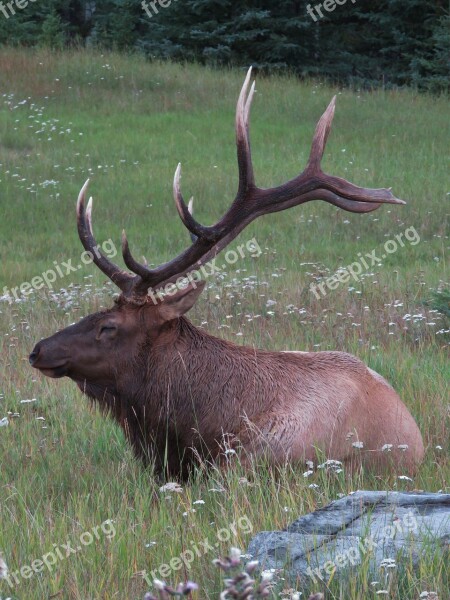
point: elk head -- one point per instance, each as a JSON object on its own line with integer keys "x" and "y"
{"x": 97, "y": 351}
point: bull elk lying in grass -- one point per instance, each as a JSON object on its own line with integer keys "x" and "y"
{"x": 176, "y": 390}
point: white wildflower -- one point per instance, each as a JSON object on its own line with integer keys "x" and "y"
{"x": 3, "y": 568}
{"x": 235, "y": 553}
{"x": 267, "y": 575}
{"x": 388, "y": 563}
{"x": 331, "y": 465}
{"x": 172, "y": 486}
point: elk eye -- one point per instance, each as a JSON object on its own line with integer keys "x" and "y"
{"x": 108, "y": 329}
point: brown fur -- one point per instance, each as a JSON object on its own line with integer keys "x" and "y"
{"x": 176, "y": 391}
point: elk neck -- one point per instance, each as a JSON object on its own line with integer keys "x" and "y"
{"x": 191, "y": 378}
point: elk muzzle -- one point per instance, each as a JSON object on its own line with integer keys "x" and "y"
{"x": 43, "y": 360}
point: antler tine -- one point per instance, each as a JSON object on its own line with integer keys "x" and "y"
{"x": 196, "y": 229}
{"x": 131, "y": 262}
{"x": 242, "y": 99}
{"x": 149, "y": 276}
{"x": 248, "y": 105}
{"x": 246, "y": 176}
{"x": 348, "y": 205}
{"x": 321, "y": 133}
{"x": 89, "y": 213}
{"x": 84, "y": 221}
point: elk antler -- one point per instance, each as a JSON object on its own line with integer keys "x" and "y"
{"x": 250, "y": 203}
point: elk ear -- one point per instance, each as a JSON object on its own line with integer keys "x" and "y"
{"x": 178, "y": 304}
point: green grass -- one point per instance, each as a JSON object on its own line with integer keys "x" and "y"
{"x": 126, "y": 123}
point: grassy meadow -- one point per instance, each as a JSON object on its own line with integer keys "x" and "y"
{"x": 126, "y": 123}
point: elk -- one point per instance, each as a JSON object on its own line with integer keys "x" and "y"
{"x": 177, "y": 391}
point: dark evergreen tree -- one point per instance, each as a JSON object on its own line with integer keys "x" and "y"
{"x": 117, "y": 24}
{"x": 53, "y": 32}
{"x": 270, "y": 35}
{"x": 54, "y": 23}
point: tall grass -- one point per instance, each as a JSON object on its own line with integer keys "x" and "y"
{"x": 126, "y": 123}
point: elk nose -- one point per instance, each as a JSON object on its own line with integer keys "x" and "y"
{"x": 34, "y": 355}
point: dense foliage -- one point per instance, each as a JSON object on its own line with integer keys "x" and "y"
{"x": 384, "y": 42}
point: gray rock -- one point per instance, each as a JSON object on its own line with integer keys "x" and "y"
{"x": 379, "y": 527}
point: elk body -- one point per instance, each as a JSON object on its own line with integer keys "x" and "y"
{"x": 178, "y": 392}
